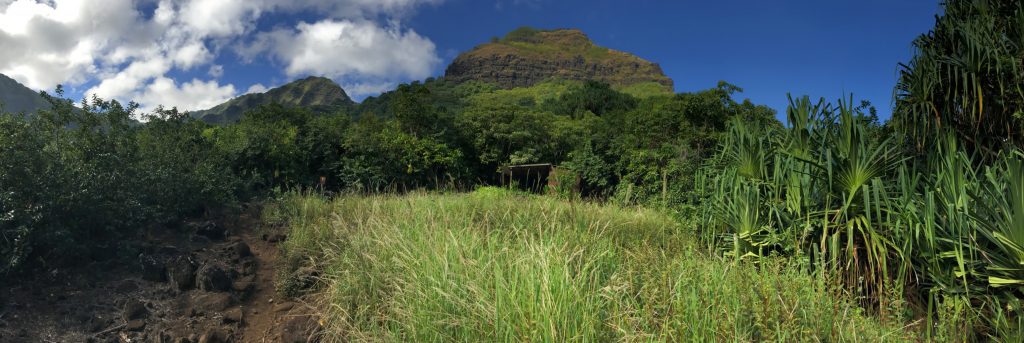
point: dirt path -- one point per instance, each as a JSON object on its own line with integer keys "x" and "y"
{"x": 272, "y": 319}
{"x": 260, "y": 307}
{"x": 204, "y": 283}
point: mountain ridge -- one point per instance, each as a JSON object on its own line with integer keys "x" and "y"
{"x": 527, "y": 56}
{"x": 319, "y": 94}
{"x": 16, "y": 98}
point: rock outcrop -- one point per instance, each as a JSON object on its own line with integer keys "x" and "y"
{"x": 526, "y": 57}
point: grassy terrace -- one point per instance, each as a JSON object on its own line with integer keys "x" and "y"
{"x": 499, "y": 266}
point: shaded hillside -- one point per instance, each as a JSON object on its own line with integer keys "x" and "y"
{"x": 527, "y": 56}
{"x": 317, "y": 94}
{"x": 16, "y": 98}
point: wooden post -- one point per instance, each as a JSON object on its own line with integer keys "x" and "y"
{"x": 664, "y": 187}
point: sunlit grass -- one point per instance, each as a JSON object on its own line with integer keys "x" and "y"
{"x": 498, "y": 266}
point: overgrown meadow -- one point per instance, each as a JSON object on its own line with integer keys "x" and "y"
{"x": 697, "y": 216}
{"x": 498, "y": 265}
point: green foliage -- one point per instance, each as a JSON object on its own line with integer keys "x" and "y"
{"x": 645, "y": 90}
{"x": 180, "y": 171}
{"x": 504, "y": 134}
{"x": 382, "y": 155}
{"x": 496, "y": 265}
{"x": 522, "y": 34}
{"x": 832, "y": 185}
{"x": 966, "y": 77}
{"x": 655, "y": 147}
{"x": 73, "y": 180}
{"x": 99, "y": 164}
{"x": 594, "y": 97}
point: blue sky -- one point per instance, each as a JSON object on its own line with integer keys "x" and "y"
{"x": 817, "y": 48}
{"x": 196, "y": 53}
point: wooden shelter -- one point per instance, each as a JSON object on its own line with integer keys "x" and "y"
{"x": 528, "y": 177}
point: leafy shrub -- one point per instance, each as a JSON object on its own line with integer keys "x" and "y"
{"x": 74, "y": 179}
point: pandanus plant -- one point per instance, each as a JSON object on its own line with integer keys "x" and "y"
{"x": 817, "y": 187}
{"x": 967, "y": 77}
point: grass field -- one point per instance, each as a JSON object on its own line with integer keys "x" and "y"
{"x": 499, "y": 266}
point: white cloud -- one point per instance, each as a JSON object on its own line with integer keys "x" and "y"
{"x": 355, "y": 8}
{"x": 129, "y": 55}
{"x": 44, "y": 45}
{"x": 361, "y": 89}
{"x": 256, "y": 88}
{"x": 350, "y": 50}
{"x": 220, "y": 18}
{"x": 131, "y": 78}
{"x": 216, "y": 71}
{"x": 193, "y": 95}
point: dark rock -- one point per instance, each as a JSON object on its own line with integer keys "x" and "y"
{"x": 165, "y": 337}
{"x": 300, "y": 329}
{"x": 182, "y": 272}
{"x": 81, "y": 317}
{"x": 214, "y": 335}
{"x": 209, "y": 230}
{"x": 213, "y": 277}
{"x": 284, "y": 307}
{"x": 134, "y": 309}
{"x": 244, "y": 284}
{"x": 153, "y": 268}
{"x": 168, "y": 250}
{"x": 126, "y": 286}
{"x": 104, "y": 253}
{"x": 135, "y": 325}
{"x": 233, "y": 316}
{"x": 208, "y": 303}
{"x": 240, "y": 250}
{"x": 274, "y": 237}
{"x": 249, "y": 267}
{"x": 97, "y": 323}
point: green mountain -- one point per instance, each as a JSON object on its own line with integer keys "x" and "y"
{"x": 16, "y": 98}
{"x": 527, "y": 56}
{"x": 317, "y": 94}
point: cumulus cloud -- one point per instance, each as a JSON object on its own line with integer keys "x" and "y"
{"x": 367, "y": 88}
{"x": 216, "y": 71}
{"x": 354, "y": 49}
{"x": 256, "y": 88}
{"x": 125, "y": 54}
{"x": 194, "y": 94}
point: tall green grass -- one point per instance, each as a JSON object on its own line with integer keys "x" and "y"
{"x": 499, "y": 266}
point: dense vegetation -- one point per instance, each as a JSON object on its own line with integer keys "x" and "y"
{"x": 497, "y": 266}
{"x": 919, "y": 221}
{"x": 75, "y": 178}
{"x": 926, "y": 213}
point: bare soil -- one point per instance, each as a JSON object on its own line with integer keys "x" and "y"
{"x": 210, "y": 282}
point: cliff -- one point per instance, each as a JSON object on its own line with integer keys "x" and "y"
{"x": 527, "y": 56}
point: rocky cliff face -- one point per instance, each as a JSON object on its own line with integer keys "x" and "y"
{"x": 526, "y": 57}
